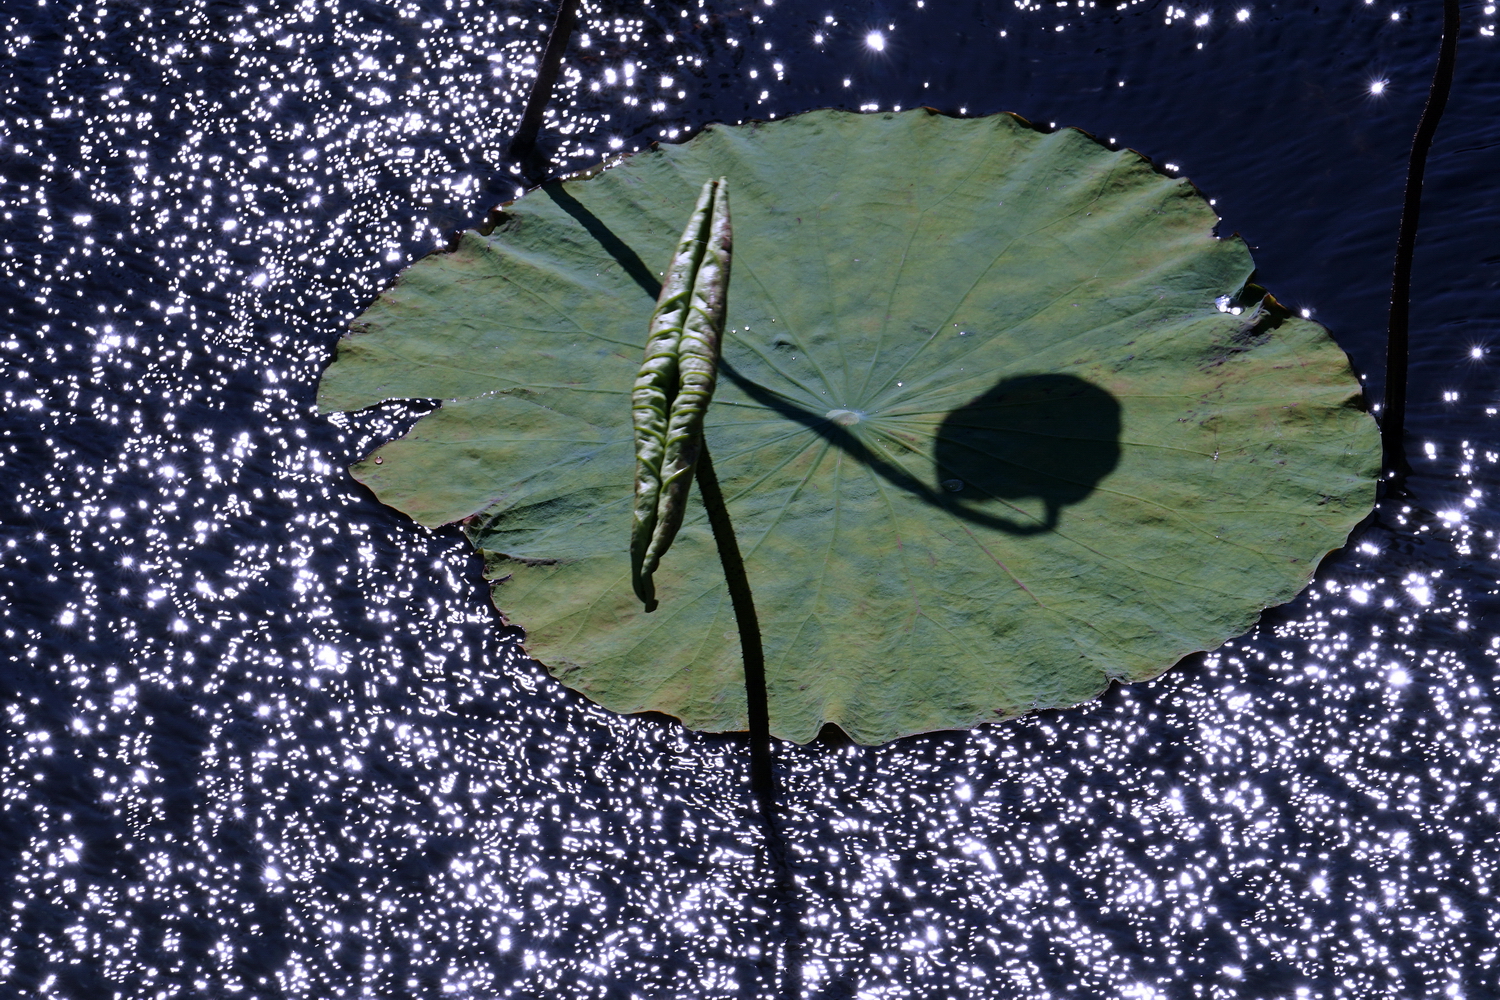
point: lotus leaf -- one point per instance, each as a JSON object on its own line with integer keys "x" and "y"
{"x": 998, "y": 421}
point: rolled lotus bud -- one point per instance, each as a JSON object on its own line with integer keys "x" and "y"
{"x": 676, "y": 382}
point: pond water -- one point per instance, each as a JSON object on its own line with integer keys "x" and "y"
{"x": 266, "y": 738}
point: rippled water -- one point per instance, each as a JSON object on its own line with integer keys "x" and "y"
{"x": 266, "y": 739}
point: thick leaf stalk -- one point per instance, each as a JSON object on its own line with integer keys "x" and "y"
{"x": 676, "y": 383}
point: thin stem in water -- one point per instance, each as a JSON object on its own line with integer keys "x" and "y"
{"x": 523, "y": 150}
{"x": 1393, "y": 410}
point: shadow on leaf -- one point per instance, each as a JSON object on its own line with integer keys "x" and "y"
{"x": 1048, "y": 437}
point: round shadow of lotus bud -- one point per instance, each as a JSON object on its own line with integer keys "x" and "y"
{"x": 1045, "y": 437}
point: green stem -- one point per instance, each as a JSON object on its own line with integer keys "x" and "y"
{"x": 762, "y": 774}
{"x": 523, "y": 150}
{"x": 762, "y": 780}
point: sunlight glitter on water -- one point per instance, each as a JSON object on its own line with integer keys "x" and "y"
{"x": 267, "y": 738}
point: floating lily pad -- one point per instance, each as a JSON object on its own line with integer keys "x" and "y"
{"x": 996, "y": 420}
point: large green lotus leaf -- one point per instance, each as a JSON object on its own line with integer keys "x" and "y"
{"x": 989, "y": 434}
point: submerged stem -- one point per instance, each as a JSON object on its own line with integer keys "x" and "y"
{"x": 1393, "y": 410}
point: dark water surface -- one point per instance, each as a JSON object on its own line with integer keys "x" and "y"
{"x": 265, "y": 737}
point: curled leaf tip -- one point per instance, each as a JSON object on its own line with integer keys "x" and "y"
{"x": 676, "y": 382}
